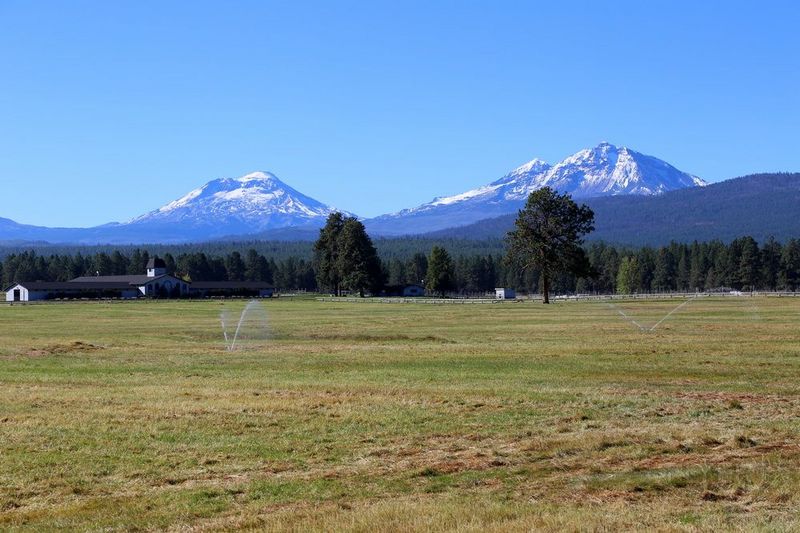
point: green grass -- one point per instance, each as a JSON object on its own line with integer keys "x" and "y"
{"x": 402, "y": 417}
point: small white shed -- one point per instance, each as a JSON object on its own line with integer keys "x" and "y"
{"x": 503, "y": 293}
{"x": 17, "y": 293}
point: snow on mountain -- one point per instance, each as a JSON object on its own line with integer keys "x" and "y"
{"x": 605, "y": 170}
{"x": 249, "y": 204}
{"x": 259, "y": 204}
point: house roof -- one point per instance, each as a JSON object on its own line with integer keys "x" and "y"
{"x": 69, "y": 285}
{"x": 252, "y": 285}
{"x": 126, "y": 282}
{"x": 135, "y": 279}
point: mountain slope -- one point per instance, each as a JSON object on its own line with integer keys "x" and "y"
{"x": 256, "y": 202}
{"x": 760, "y": 205}
{"x": 249, "y": 204}
{"x": 605, "y": 170}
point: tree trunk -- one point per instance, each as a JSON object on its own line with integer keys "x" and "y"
{"x": 545, "y": 288}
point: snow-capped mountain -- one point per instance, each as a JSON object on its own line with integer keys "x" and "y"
{"x": 605, "y": 170}
{"x": 249, "y": 204}
{"x": 255, "y": 204}
{"x": 259, "y": 205}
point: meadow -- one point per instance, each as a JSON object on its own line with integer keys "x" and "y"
{"x": 407, "y": 417}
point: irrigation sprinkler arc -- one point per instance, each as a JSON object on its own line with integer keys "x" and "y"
{"x": 230, "y": 344}
{"x": 645, "y": 329}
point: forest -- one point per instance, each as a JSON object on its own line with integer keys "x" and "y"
{"x": 475, "y": 266}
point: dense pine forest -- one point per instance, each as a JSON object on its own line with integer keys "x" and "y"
{"x": 478, "y": 266}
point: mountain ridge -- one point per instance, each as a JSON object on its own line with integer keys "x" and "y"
{"x": 605, "y": 170}
{"x": 260, "y": 205}
{"x": 724, "y": 210}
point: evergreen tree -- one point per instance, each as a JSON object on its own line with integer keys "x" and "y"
{"x": 440, "y": 277}
{"x": 664, "y": 272}
{"x": 682, "y": 274}
{"x": 234, "y": 267}
{"x": 789, "y": 276}
{"x": 749, "y": 266}
{"x": 136, "y": 264}
{"x": 169, "y": 263}
{"x": 357, "y": 260}
{"x": 417, "y": 269}
{"x": 119, "y": 264}
{"x": 698, "y": 267}
{"x": 256, "y": 267}
{"x": 395, "y": 272}
{"x": 548, "y": 235}
{"x": 326, "y": 254}
{"x": 608, "y": 263}
{"x": 770, "y": 264}
{"x": 628, "y": 277}
{"x": 102, "y": 265}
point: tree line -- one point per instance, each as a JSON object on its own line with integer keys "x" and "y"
{"x": 742, "y": 264}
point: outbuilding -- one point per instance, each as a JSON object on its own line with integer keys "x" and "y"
{"x": 504, "y": 293}
{"x": 406, "y": 291}
{"x": 31, "y": 291}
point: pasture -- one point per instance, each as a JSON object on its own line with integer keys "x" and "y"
{"x": 407, "y": 417}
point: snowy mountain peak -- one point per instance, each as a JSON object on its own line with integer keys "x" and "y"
{"x": 608, "y": 170}
{"x": 247, "y": 204}
{"x": 604, "y": 170}
{"x": 258, "y": 175}
{"x": 534, "y": 165}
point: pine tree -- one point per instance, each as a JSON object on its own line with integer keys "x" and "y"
{"x": 548, "y": 236}
{"x": 256, "y": 267}
{"x": 119, "y": 264}
{"x": 789, "y": 276}
{"x": 682, "y": 274}
{"x": 664, "y": 272}
{"x": 169, "y": 263}
{"x": 749, "y": 264}
{"x": 417, "y": 269}
{"x": 628, "y": 275}
{"x": 770, "y": 264}
{"x": 136, "y": 264}
{"x": 102, "y": 264}
{"x": 395, "y": 272}
{"x": 440, "y": 277}
{"x": 326, "y": 254}
{"x": 698, "y": 268}
{"x": 234, "y": 266}
{"x": 357, "y": 260}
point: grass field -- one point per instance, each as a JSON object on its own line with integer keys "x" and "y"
{"x": 402, "y": 417}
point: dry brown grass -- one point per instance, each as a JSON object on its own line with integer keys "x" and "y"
{"x": 401, "y": 417}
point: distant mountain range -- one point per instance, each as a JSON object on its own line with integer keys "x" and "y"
{"x": 605, "y": 170}
{"x": 760, "y": 205}
{"x": 637, "y": 198}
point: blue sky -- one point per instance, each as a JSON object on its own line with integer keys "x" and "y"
{"x": 111, "y": 109}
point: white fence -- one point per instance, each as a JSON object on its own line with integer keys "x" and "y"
{"x": 567, "y": 298}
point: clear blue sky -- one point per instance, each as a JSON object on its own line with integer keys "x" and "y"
{"x": 111, "y": 109}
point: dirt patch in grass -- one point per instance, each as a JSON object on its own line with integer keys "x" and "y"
{"x": 63, "y": 348}
{"x": 734, "y": 400}
{"x": 359, "y": 337}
